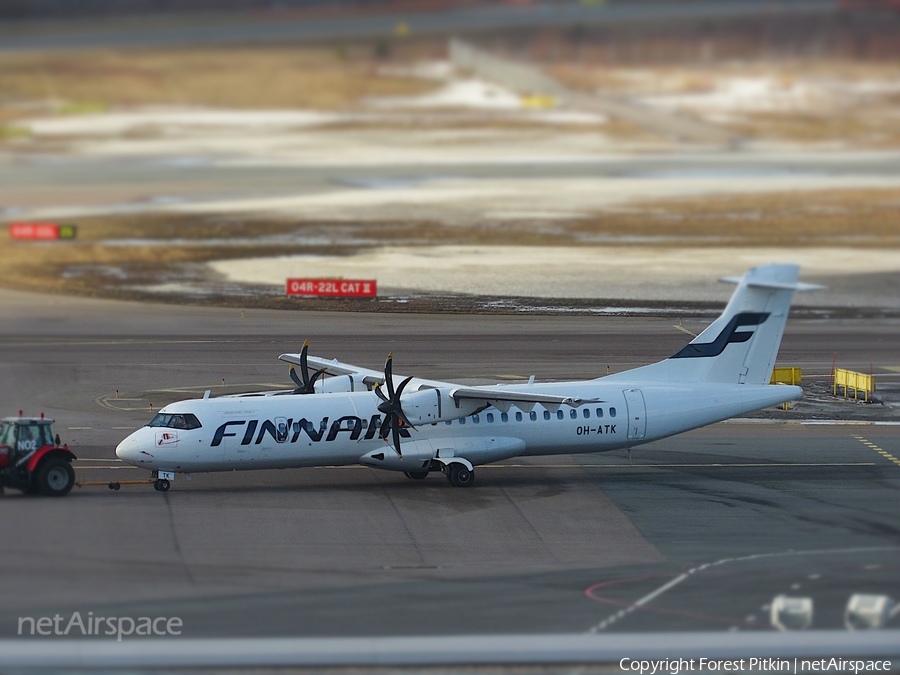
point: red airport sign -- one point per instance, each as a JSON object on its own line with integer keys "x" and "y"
{"x": 41, "y": 231}
{"x": 345, "y": 288}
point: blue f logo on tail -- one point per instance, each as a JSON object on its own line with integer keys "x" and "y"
{"x": 728, "y": 335}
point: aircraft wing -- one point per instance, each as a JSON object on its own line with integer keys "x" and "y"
{"x": 335, "y": 367}
{"x": 499, "y": 396}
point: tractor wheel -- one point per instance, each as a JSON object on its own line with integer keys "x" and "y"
{"x": 55, "y": 478}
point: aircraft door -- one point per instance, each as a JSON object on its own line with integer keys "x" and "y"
{"x": 637, "y": 414}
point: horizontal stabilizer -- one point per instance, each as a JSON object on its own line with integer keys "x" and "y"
{"x": 779, "y": 285}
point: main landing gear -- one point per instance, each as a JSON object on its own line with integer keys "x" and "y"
{"x": 458, "y": 474}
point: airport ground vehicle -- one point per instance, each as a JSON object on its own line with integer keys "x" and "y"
{"x": 31, "y": 458}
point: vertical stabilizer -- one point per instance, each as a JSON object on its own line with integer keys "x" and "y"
{"x": 740, "y": 346}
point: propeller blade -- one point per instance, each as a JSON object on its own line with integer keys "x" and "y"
{"x": 316, "y": 376}
{"x": 406, "y": 422}
{"x": 390, "y": 405}
{"x": 397, "y": 440}
{"x": 304, "y": 363}
{"x": 401, "y": 388}
{"x": 377, "y": 390}
{"x": 385, "y": 427}
{"x": 305, "y": 383}
{"x": 388, "y": 375}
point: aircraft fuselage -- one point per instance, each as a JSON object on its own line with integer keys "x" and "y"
{"x": 289, "y": 431}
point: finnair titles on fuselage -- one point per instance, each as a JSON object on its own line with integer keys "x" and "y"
{"x": 341, "y": 414}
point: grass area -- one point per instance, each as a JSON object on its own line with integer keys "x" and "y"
{"x": 92, "y": 265}
{"x": 247, "y": 77}
{"x": 819, "y": 218}
{"x": 14, "y": 132}
{"x": 873, "y": 126}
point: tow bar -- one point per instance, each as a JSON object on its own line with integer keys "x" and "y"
{"x": 114, "y": 485}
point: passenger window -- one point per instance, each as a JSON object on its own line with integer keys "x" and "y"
{"x": 518, "y": 417}
{"x": 490, "y": 418}
{"x": 546, "y": 414}
{"x": 475, "y": 419}
{"x": 533, "y": 416}
{"x": 573, "y": 414}
{"x": 504, "y": 417}
{"x": 612, "y": 412}
{"x": 599, "y": 412}
{"x": 587, "y": 413}
{"x": 559, "y": 414}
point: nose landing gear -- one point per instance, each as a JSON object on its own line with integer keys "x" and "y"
{"x": 163, "y": 480}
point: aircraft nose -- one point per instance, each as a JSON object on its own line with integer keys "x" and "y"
{"x": 127, "y": 450}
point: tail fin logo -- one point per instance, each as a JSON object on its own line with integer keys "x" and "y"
{"x": 728, "y": 335}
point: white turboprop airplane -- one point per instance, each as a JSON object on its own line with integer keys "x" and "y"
{"x": 342, "y": 414}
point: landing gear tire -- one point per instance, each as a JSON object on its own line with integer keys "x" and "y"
{"x": 460, "y": 476}
{"x": 55, "y": 478}
{"x": 156, "y": 485}
{"x": 163, "y": 484}
{"x": 416, "y": 475}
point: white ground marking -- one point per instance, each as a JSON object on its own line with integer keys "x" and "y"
{"x": 610, "y": 620}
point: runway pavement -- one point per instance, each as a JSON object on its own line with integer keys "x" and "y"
{"x": 75, "y": 185}
{"x": 700, "y": 532}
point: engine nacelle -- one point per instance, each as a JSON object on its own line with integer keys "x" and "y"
{"x": 428, "y": 406}
{"x": 340, "y": 384}
{"x": 417, "y": 456}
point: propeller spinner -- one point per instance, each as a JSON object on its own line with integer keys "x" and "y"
{"x": 390, "y": 406}
{"x": 305, "y": 383}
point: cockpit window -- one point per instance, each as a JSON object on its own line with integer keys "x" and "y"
{"x": 175, "y": 421}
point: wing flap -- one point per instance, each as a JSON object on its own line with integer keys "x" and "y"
{"x": 492, "y": 395}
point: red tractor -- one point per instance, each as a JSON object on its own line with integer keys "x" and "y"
{"x": 32, "y": 460}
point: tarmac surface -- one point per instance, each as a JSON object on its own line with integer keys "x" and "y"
{"x": 296, "y": 26}
{"x": 698, "y": 532}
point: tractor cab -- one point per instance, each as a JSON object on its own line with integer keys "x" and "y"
{"x": 31, "y": 458}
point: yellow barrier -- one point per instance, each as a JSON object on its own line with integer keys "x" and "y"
{"x": 792, "y": 376}
{"x": 858, "y": 382}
